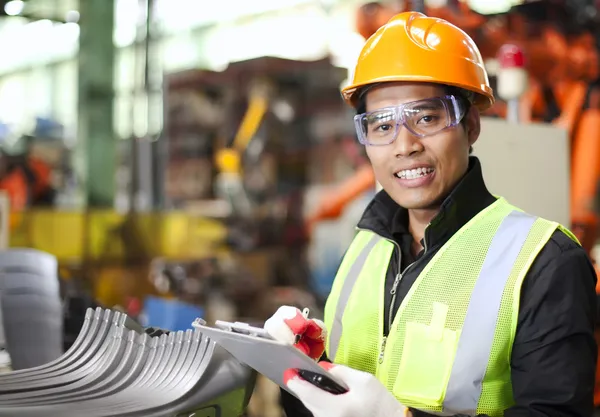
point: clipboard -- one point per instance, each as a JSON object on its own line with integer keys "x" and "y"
{"x": 254, "y": 347}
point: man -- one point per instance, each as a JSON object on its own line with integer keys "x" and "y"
{"x": 449, "y": 301}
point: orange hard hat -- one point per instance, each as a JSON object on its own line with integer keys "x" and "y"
{"x": 417, "y": 48}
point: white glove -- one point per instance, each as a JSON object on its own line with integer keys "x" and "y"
{"x": 289, "y": 325}
{"x": 366, "y": 396}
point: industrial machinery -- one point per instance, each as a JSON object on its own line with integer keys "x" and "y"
{"x": 217, "y": 124}
{"x": 206, "y": 244}
{"x": 255, "y": 126}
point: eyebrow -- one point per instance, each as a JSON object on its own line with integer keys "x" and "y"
{"x": 425, "y": 106}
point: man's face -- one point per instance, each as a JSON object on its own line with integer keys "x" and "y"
{"x": 444, "y": 156}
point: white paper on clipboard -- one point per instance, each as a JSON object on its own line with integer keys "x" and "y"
{"x": 265, "y": 355}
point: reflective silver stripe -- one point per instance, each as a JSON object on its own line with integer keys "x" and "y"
{"x": 335, "y": 333}
{"x": 477, "y": 335}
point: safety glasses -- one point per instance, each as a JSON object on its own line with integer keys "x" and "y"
{"x": 421, "y": 118}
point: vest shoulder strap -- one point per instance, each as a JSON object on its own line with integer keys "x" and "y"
{"x": 568, "y": 233}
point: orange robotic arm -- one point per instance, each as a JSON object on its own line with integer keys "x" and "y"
{"x": 585, "y": 174}
{"x": 334, "y": 203}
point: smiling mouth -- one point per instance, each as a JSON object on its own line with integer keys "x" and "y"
{"x": 409, "y": 174}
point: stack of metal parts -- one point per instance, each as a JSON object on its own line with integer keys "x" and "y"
{"x": 32, "y": 319}
{"x": 115, "y": 368}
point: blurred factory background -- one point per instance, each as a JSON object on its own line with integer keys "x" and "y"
{"x": 185, "y": 158}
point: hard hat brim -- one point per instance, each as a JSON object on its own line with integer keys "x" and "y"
{"x": 351, "y": 93}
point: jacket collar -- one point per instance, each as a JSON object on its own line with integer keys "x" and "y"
{"x": 386, "y": 218}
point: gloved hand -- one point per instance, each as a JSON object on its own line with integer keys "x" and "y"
{"x": 289, "y": 325}
{"x": 366, "y": 396}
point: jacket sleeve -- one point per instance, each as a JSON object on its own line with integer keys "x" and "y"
{"x": 554, "y": 352}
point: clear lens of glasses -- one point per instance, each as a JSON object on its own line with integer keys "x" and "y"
{"x": 422, "y": 118}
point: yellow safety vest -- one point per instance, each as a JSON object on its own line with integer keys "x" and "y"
{"x": 449, "y": 346}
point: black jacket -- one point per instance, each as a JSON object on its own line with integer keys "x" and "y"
{"x": 554, "y": 352}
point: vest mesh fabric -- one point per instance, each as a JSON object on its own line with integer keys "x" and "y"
{"x": 364, "y": 315}
{"x": 496, "y": 394}
{"x": 447, "y": 280}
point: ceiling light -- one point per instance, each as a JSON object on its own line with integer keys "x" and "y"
{"x": 14, "y": 8}
{"x": 492, "y": 6}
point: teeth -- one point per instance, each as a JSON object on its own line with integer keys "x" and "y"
{"x": 413, "y": 173}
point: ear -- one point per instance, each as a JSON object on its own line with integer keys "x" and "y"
{"x": 473, "y": 125}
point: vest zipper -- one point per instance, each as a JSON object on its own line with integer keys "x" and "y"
{"x": 397, "y": 280}
{"x": 393, "y": 291}
{"x": 382, "y": 350}
{"x": 393, "y": 301}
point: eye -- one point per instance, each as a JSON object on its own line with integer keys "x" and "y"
{"x": 381, "y": 123}
{"x": 429, "y": 118}
{"x": 384, "y": 127}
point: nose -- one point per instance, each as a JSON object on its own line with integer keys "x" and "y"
{"x": 406, "y": 143}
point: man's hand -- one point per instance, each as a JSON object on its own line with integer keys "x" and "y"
{"x": 289, "y": 325}
{"x": 366, "y": 396}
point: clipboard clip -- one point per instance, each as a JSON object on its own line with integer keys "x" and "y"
{"x": 236, "y": 327}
